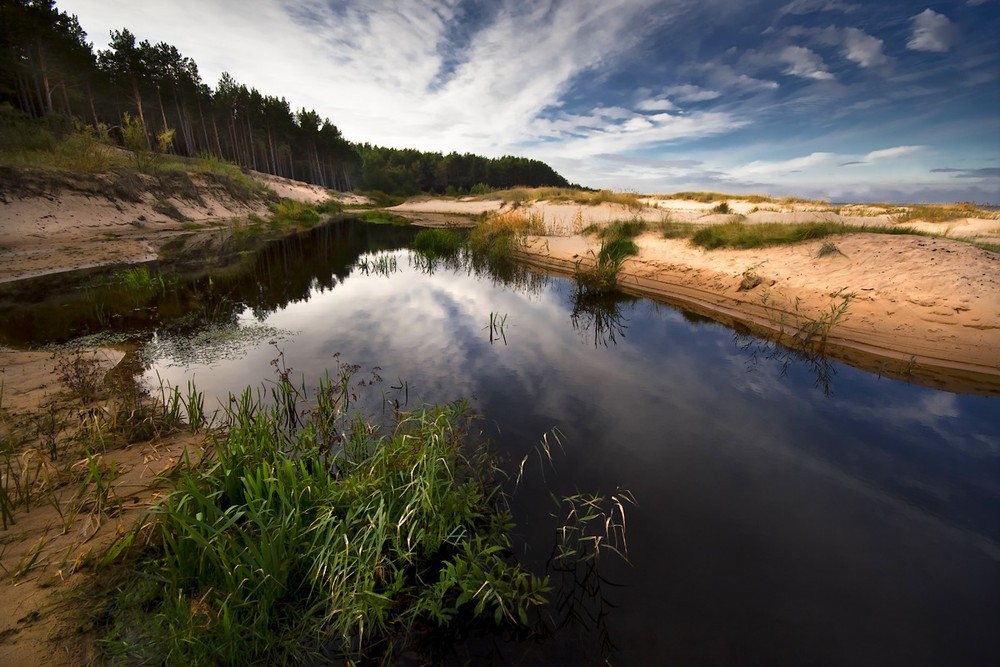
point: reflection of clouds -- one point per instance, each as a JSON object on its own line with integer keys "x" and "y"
{"x": 670, "y": 400}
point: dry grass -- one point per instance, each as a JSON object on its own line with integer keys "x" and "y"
{"x": 709, "y": 197}
{"x": 940, "y": 213}
{"x": 586, "y": 197}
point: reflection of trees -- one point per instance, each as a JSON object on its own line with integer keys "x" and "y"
{"x": 502, "y": 272}
{"x": 602, "y": 314}
{"x": 769, "y": 349}
{"x": 192, "y": 293}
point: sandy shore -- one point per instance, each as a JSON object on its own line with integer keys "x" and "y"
{"x": 920, "y": 308}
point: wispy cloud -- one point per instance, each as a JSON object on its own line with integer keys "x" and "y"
{"x": 805, "y": 63}
{"x": 661, "y": 104}
{"x": 931, "y": 32}
{"x": 759, "y": 168}
{"x": 983, "y": 172}
{"x": 862, "y": 48}
{"x": 691, "y": 93}
{"x": 891, "y": 153}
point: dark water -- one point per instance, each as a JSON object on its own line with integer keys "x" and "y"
{"x": 789, "y": 512}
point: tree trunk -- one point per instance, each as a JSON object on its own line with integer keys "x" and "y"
{"x": 138, "y": 106}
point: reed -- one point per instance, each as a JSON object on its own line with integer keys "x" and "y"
{"x": 328, "y": 533}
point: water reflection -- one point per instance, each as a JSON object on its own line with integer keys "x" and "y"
{"x": 778, "y": 522}
{"x": 601, "y": 315}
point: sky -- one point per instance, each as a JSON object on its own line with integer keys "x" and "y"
{"x": 889, "y": 100}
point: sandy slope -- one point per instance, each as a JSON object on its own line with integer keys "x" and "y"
{"x": 48, "y": 227}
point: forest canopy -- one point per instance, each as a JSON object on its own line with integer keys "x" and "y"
{"x": 50, "y": 75}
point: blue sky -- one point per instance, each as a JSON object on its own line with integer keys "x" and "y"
{"x": 869, "y": 101}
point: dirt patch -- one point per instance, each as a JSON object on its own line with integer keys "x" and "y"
{"x": 73, "y": 499}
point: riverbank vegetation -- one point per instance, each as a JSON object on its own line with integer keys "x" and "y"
{"x": 318, "y": 533}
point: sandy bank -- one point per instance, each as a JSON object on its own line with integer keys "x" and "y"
{"x": 51, "y": 222}
{"x": 923, "y": 309}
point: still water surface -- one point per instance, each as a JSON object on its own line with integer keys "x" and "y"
{"x": 789, "y": 512}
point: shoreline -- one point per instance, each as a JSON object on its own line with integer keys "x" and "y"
{"x": 907, "y": 360}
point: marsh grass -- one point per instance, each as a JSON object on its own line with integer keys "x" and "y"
{"x": 498, "y": 237}
{"x": 289, "y": 214}
{"x": 70, "y": 438}
{"x": 601, "y": 275}
{"x": 436, "y": 243}
{"x": 326, "y": 535}
{"x": 381, "y": 217}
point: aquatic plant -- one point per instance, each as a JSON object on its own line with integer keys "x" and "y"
{"x": 304, "y": 538}
{"x": 436, "y": 243}
{"x": 600, "y": 276}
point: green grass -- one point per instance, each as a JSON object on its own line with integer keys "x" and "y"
{"x": 601, "y": 276}
{"x": 618, "y": 229}
{"x": 380, "y": 217}
{"x": 290, "y": 214}
{"x": 497, "y": 237}
{"x": 438, "y": 242}
{"x": 322, "y": 532}
{"x": 742, "y": 235}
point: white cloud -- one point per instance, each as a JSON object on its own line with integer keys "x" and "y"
{"x": 862, "y": 48}
{"x": 662, "y": 104}
{"x": 581, "y": 141}
{"x": 692, "y": 93}
{"x": 759, "y": 168}
{"x": 724, "y": 76}
{"x": 799, "y": 7}
{"x": 890, "y": 153}
{"x": 931, "y": 32}
{"x": 803, "y": 62}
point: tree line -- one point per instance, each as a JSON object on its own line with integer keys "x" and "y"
{"x": 48, "y": 69}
